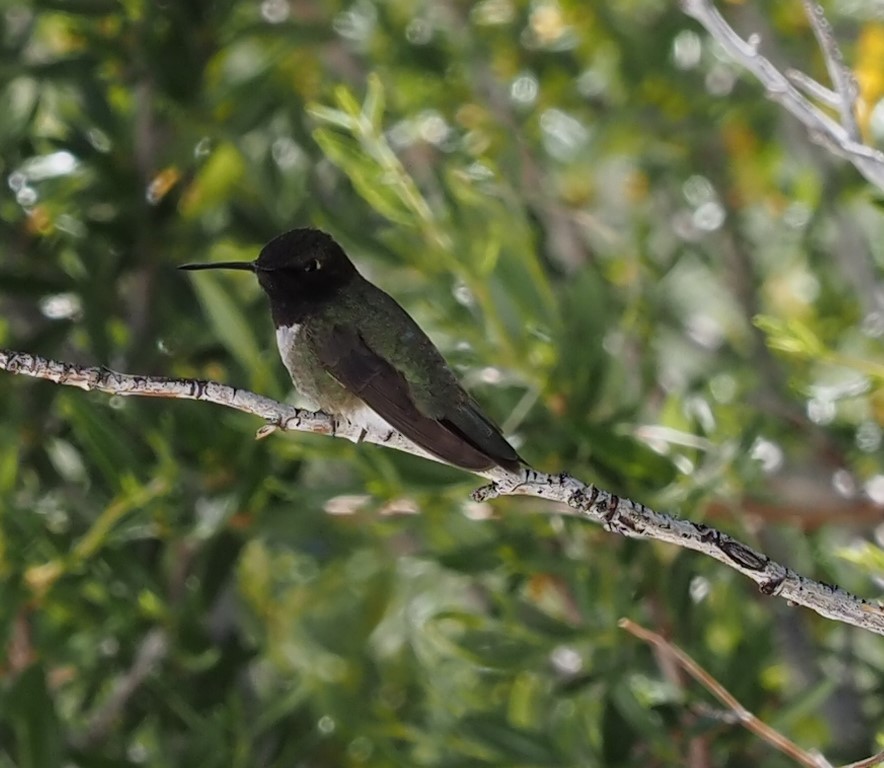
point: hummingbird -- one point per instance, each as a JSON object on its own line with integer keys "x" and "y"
{"x": 353, "y": 351}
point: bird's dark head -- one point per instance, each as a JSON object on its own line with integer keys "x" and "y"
{"x": 298, "y": 271}
{"x": 303, "y": 265}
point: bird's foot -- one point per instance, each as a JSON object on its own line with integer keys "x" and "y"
{"x": 486, "y": 492}
{"x": 505, "y": 482}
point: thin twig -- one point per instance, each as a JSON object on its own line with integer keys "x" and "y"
{"x": 840, "y": 75}
{"x": 151, "y": 652}
{"x": 869, "y": 762}
{"x": 616, "y": 514}
{"x": 814, "y": 89}
{"x": 743, "y": 715}
{"x": 821, "y": 127}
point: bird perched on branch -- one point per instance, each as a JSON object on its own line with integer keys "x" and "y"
{"x": 352, "y": 350}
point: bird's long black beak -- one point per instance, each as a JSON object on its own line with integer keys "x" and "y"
{"x": 248, "y": 266}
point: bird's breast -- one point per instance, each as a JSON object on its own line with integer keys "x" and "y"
{"x": 308, "y": 374}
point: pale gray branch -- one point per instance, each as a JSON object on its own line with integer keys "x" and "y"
{"x": 814, "y": 89}
{"x": 616, "y": 514}
{"x": 823, "y": 129}
{"x": 840, "y": 75}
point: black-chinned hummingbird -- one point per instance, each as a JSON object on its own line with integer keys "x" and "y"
{"x": 352, "y": 350}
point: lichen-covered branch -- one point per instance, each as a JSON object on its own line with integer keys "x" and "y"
{"x": 616, "y": 514}
{"x": 841, "y": 138}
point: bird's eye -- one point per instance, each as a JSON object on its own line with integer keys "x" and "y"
{"x": 314, "y": 265}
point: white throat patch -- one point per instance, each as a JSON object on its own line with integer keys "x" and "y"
{"x": 286, "y": 341}
{"x": 287, "y": 336}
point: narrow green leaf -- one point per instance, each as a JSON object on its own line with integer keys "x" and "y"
{"x": 373, "y": 108}
{"x": 108, "y": 446}
{"x": 331, "y": 116}
{"x": 34, "y": 721}
{"x": 347, "y": 101}
{"x": 229, "y": 323}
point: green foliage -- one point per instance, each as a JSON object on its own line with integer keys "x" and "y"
{"x": 626, "y": 255}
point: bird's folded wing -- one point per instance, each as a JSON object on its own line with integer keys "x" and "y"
{"x": 346, "y": 356}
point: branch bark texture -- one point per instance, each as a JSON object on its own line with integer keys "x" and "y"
{"x": 616, "y": 514}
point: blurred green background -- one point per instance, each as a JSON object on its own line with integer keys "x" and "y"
{"x": 646, "y": 272}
